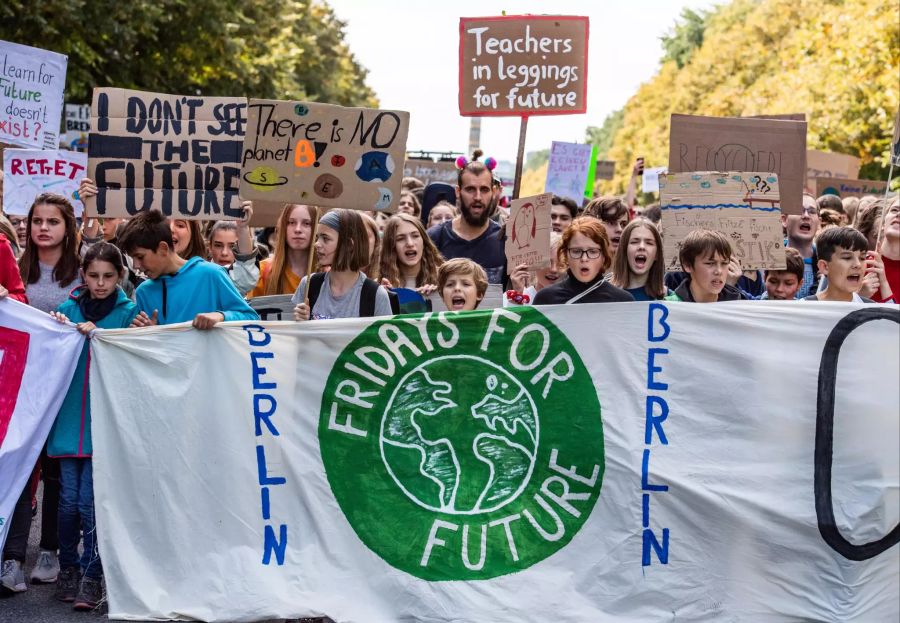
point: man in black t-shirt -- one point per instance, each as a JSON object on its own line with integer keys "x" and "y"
{"x": 473, "y": 234}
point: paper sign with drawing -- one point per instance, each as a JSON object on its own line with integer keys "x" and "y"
{"x": 528, "y": 232}
{"x": 746, "y": 207}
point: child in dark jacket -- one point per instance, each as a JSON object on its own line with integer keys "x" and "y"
{"x": 100, "y": 303}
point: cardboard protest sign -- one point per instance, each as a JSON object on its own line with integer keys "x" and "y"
{"x": 179, "y": 154}
{"x": 746, "y": 207}
{"x": 523, "y": 65}
{"x": 848, "y": 188}
{"x": 77, "y": 126}
{"x": 324, "y": 155}
{"x": 528, "y": 232}
{"x": 606, "y": 169}
{"x": 32, "y": 82}
{"x": 895, "y": 141}
{"x": 567, "y": 463}
{"x": 828, "y": 164}
{"x": 430, "y": 171}
{"x": 568, "y": 170}
{"x": 742, "y": 144}
{"x": 29, "y": 172}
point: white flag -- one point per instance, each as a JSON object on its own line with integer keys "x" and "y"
{"x": 616, "y": 462}
{"x": 37, "y": 360}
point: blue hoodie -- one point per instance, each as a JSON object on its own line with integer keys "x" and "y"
{"x": 71, "y": 432}
{"x": 198, "y": 287}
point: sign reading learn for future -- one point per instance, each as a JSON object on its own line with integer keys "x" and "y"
{"x": 523, "y": 65}
{"x": 179, "y": 154}
{"x": 325, "y": 155}
{"x": 746, "y": 207}
{"x": 505, "y": 465}
{"x": 32, "y": 82}
{"x": 30, "y": 172}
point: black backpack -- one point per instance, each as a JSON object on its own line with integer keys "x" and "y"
{"x": 366, "y": 297}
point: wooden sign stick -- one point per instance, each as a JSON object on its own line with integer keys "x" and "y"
{"x": 518, "y": 183}
{"x": 312, "y": 255}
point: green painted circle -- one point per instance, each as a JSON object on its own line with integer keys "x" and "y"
{"x": 430, "y": 441}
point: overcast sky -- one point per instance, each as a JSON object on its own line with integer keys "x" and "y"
{"x": 411, "y": 51}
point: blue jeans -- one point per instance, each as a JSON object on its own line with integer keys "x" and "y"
{"x": 76, "y": 516}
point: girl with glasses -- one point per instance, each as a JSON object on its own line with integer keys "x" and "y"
{"x": 585, "y": 251}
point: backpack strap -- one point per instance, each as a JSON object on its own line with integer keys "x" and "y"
{"x": 314, "y": 287}
{"x": 367, "y": 298}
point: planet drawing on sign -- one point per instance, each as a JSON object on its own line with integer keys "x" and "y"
{"x": 328, "y": 186}
{"x": 525, "y": 226}
{"x": 338, "y": 160}
{"x": 264, "y": 178}
{"x": 374, "y": 166}
{"x": 385, "y": 196}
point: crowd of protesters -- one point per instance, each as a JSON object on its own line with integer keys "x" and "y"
{"x": 342, "y": 263}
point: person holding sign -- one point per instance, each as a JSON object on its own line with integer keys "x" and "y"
{"x": 585, "y": 250}
{"x": 177, "y": 290}
{"x": 231, "y": 247}
{"x": 473, "y": 234}
{"x": 281, "y": 273}
{"x": 613, "y": 213}
{"x": 343, "y": 292}
{"x": 408, "y": 257}
{"x": 705, "y": 256}
{"x": 638, "y": 266}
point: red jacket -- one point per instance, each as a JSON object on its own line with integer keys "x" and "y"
{"x": 9, "y": 272}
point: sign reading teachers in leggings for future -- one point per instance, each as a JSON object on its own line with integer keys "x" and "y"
{"x": 523, "y": 65}
{"x": 180, "y": 154}
{"x": 324, "y": 155}
{"x": 31, "y": 95}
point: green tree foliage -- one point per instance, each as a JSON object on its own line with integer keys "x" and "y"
{"x": 281, "y": 49}
{"x": 837, "y": 61}
{"x": 603, "y": 136}
{"x": 686, "y": 37}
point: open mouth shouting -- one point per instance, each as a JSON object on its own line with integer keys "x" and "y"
{"x": 411, "y": 256}
{"x": 805, "y": 228}
{"x": 457, "y": 302}
{"x": 640, "y": 261}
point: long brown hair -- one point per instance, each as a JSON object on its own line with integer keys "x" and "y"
{"x": 197, "y": 246}
{"x": 390, "y": 265}
{"x": 277, "y": 281}
{"x": 655, "y": 286}
{"x": 66, "y": 269}
{"x": 371, "y": 267}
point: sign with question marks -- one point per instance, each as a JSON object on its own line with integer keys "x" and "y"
{"x": 324, "y": 155}
{"x": 746, "y": 207}
{"x": 32, "y": 82}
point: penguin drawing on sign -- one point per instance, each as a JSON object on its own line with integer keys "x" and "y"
{"x": 525, "y": 227}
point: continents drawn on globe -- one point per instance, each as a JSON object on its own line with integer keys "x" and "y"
{"x": 460, "y": 438}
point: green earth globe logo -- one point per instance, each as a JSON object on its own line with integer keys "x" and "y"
{"x": 460, "y": 435}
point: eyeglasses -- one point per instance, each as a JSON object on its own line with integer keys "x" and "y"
{"x": 15, "y": 222}
{"x": 810, "y": 211}
{"x": 577, "y": 254}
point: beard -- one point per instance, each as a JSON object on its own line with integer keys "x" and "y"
{"x": 478, "y": 221}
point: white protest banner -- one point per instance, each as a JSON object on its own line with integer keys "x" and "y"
{"x": 180, "y": 154}
{"x": 528, "y": 232}
{"x": 746, "y": 207}
{"x": 37, "y": 360}
{"x": 429, "y": 171}
{"x": 506, "y": 465}
{"x": 568, "y": 170}
{"x": 32, "y": 82}
{"x": 30, "y": 172}
{"x": 326, "y": 155}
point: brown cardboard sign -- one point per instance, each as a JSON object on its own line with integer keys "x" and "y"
{"x": 429, "y": 171}
{"x": 849, "y": 188}
{"x": 180, "y": 154}
{"x": 528, "y": 232}
{"x": 741, "y": 144}
{"x": 828, "y": 164}
{"x": 606, "y": 169}
{"x": 523, "y": 65}
{"x": 324, "y": 155}
{"x": 743, "y": 206}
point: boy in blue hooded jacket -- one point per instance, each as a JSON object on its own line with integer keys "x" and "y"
{"x": 178, "y": 290}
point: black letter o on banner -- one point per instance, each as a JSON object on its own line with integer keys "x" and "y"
{"x": 825, "y": 438}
